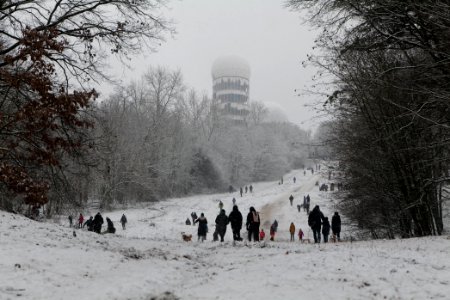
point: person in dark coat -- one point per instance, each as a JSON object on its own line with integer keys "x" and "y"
{"x": 202, "y": 227}
{"x": 111, "y": 228}
{"x": 89, "y": 223}
{"x": 70, "y": 220}
{"x": 123, "y": 221}
{"x": 251, "y": 188}
{"x": 325, "y": 229}
{"x": 235, "y": 219}
{"x": 221, "y": 224}
{"x": 336, "y": 225}
{"x": 291, "y": 199}
{"x": 97, "y": 223}
{"x": 241, "y": 191}
{"x": 194, "y": 217}
{"x": 315, "y": 222}
{"x": 252, "y": 224}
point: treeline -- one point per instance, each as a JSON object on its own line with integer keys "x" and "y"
{"x": 390, "y": 108}
{"x": 158, "y": 139}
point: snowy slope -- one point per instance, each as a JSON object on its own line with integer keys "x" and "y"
{"x": 45, "y": 260}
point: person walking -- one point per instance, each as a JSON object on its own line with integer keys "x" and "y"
{"x": 221, "y": 224}
{"x": 97, "y": 223}
{"x": 235, "y": 219}
{"x": 251, "y": 188}
{"x": 80, "y": 221}
{"x": 291, "y": 199}
{"x": 234, "y": 201}
{"x": 252, "y": 224}
{"x": 292, "y": 231}
{"x": 220, "y": 205}
{"x": 246, "y": 189}
{"x": 123, "y": 221}
{"x": 336, "y": 225}
{"x": 273, "y": 230}
{"x": 304, "y": 203}
{"x": 325, "y": 229}
{"x": 194, "y": 217}
{"x": 315, "y": 222}
{"x": 202, "y": 227}
{"x": 241, "y": 191}
{"x": 70, "y": 220}
{"x": 295, "y": 179}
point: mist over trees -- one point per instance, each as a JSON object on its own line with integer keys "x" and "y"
{"x": 391, "y": 114}
{"x": 161, "y": 139}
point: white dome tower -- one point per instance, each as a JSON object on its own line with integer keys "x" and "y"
{"x": 231, "y": 76}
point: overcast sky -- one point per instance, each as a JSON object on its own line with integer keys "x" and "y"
{"x": 271, "y": 38}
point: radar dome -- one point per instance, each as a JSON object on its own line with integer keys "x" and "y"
{"x": 230, "y": 66}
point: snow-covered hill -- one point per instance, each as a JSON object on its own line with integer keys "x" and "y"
{"x": 150, "y": 261}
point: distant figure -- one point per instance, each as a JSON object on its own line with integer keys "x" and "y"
{"x": 300, "y": 235}
{"x": 202, "y": 227}
{"x": 291, "y": 199}
{"x": 315, "y": 222}
{"x": 220, "y": 205}
{"x": 123, "y": 221}
{"x": 110, "y": 228}
{"x": 70, "y": 220}
{"x": 80, "y": 221}
{"x": 252, "y": 224}
{"x": 273, "y": 230}
{"x": 89, "y": 224}
{"x": 188, "y": 221}
{"x": 194, "y": 217}
{"x": 97, "y": 223}
{"x": 262, "y": 235}
{"x": 299, "y": 207}
{"x": 292, "y": 231}
{"x": 230, "y": 189}
{"x": 234, "y": 201}
{"x": 241, "y": 191}
{"x": 221, "y": 224}
{"x": 235, "y": 219}
{"x": 312, "y": 171}
{"x": 325, "y": 229}
{"x": 304, "y": 203}
{"x": 251, "y": 189}
{"x": 295, "y": 179}
{"x": 336, "y": 225}
{"x": 246, "y": 189}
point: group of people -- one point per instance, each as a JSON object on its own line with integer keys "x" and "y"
{"x": 241, "y": 189}
{"x": 235, "y": 219}
{"x": 95, "y": 223}
{"x": 317, "y": 221}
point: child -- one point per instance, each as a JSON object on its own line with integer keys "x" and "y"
{"x": 262, "y": 235}
{"x": 300, "y": 235}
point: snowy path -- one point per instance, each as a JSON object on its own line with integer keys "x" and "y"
{"x": 45, "y": 261}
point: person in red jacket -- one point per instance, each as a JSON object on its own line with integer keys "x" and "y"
{"x": 262, "y": 235}
{"x": 80, "y": 221}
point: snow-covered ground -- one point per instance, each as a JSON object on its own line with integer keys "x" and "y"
{"x": 150, "y": 261}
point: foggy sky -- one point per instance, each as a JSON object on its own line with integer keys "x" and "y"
{"x": 271, "y": 38}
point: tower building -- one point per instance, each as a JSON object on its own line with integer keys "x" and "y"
{"x": 231, "y": 77}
